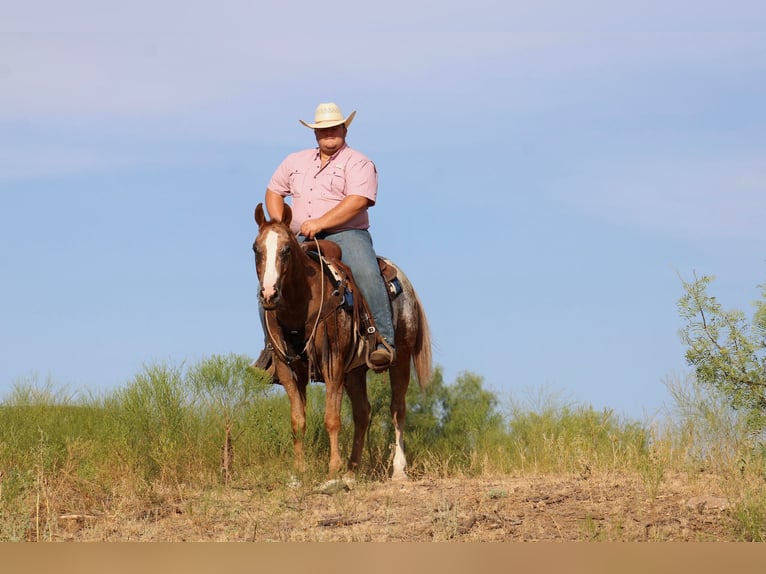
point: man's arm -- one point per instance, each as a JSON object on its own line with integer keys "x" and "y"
{"x": 337, "y": 216}
{"x": 275, "y": 205}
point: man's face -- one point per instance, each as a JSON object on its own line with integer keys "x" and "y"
{"x": 331, "y": 139}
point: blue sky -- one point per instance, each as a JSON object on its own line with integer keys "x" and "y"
{"x": 547, "y": 170}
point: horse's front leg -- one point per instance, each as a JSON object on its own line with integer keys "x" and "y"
{"x": 333, "y": 402}
{"x": 295, "y": 385}
{"x": 356, "y": 387}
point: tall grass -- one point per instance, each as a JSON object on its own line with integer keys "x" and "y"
{"x": 215, "y": 424}
{"x": 573, "y": 438}
{"x": 704, "y": 433}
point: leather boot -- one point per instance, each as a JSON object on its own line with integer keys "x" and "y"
{"x": 381, "y": 358}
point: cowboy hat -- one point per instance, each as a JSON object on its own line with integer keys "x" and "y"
{"x": 327, "y": 116}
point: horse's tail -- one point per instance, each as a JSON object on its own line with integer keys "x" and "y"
{"x": 421, "y": 354}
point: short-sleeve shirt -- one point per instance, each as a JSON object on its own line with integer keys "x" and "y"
{"x": 315, "y": 190}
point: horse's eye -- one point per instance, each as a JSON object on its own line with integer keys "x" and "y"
{"x": 285, "y": 251}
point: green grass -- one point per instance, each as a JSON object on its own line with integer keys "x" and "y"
{"x": 164, "y": 430}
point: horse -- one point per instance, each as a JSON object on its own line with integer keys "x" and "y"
{"x": 314, "y": 334}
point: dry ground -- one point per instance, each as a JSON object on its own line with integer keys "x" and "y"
{"x": 609, "y": 507}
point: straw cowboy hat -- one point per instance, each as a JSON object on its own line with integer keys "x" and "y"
{"x": 327, "y": 116}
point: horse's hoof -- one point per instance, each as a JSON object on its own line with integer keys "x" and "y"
{"x": 333, "y": 486}
{"x": 400, "y": 476}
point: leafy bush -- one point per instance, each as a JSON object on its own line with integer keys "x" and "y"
{"x": 727, "y": 352}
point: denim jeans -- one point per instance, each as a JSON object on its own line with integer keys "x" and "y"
{"x": 359, "y": 255}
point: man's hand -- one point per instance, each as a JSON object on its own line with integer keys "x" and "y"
{"x": 310, "y": 228}
{"x": 337, "y": 216}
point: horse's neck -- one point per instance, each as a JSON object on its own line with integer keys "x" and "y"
{"x": 296, "y": 290}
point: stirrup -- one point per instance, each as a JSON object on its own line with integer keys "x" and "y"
{"x": 265, "y": 362}
{"x": 265, "y": 359}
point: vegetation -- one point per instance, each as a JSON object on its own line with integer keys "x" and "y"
{"x": 727, "y": 352}
{"x": 728, "y": 399}
{"x": 174, "y": 428}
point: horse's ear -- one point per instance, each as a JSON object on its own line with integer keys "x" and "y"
{"x": 260, "y": 218}
{"x": 287, "y": 215}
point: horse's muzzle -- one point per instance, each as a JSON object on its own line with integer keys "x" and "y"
{"x": 272, "y": 301}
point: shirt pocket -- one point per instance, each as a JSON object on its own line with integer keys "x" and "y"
{"x": 335, "y": 186}
{"x": 296, "y": 182}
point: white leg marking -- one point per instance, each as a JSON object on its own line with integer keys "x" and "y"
{"x": 270, "y": 267}
{"x": 400, "y": 461}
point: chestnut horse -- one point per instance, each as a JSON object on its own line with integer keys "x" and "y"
{"x": 313, "y": 334}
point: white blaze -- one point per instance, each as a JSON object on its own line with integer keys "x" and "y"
{"x": 270, "y": 267}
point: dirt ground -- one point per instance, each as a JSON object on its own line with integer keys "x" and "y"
{"x": 598, "y": 507}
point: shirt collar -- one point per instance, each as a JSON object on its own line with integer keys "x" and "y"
{"x": 333, "y": 156}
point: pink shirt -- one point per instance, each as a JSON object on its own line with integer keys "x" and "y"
{"x": 315, "y": 189}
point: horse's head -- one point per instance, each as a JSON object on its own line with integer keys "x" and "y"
{"x": 272, "y": 249}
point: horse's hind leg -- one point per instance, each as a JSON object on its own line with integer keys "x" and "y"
{"x": 356, "y": 387}
{"x": 400, "y": 381}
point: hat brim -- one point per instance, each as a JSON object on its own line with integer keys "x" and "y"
{"x": 331, "y": 123}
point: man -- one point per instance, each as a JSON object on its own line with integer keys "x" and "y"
{"x": 332, "y": 186}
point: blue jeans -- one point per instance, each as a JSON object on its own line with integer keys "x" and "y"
{"x": 360, "y": 256}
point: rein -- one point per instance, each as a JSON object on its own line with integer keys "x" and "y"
{"x": 321, "y": 297}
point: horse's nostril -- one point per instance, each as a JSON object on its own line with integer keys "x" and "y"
{"x": 269, "y": 293}
{"x": 270, "y": 297}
